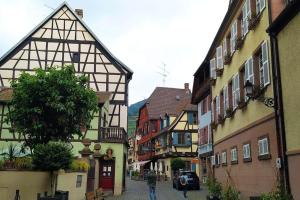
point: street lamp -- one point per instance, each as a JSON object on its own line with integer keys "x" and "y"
{"x": 250, "y": 92}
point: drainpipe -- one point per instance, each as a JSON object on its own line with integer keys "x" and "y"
{"x": 279, "y": 116}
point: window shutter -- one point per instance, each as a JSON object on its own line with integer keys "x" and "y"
{"x": 265, "y": 63}
{"x": 217, "y": 106}
{"x": 225, "y": 47}
{"x": 213, "y": 68}
{"x": 219, "y": 57}
{"x": 213, "y": 160}
{"x": 262, "y": 5}
{"x": 213, "y": 111}
{"x": 233, "y": 36}
{"x": 190, "y": 118}
{"x": 225, "y": 98}
{"x": 187, "y": 140}
{"x": 175, "y": 138}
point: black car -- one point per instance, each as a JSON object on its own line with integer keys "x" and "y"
{"x": 193, "y": 180}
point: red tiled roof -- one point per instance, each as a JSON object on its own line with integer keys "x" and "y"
{"x": 167, "y": 100}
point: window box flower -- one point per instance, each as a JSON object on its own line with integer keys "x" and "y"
{"x": 221, "y": 119}
{"x": 227, "y": 59}
{"x": 242, "y": 103}
{"x": 253, "y": 21}
{"x": 229, "y": 112}
{"x": 239, "y": 42}
{"x": 214, "y": 125}
{"x": 219, "y": 72}
{"x": 212, "y": 81}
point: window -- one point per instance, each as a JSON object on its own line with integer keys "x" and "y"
{"x": 235, "y": 91}
{"x": 260, "y": 5}
{"x": 218, "y": 106}
{"x": 234, "y": 154}
{"x": 264, "y": 65}
{"x": 213, "y": 74}
{"x": 76, "y": 57}
{"x": 217, "y": 157}
{"x": 204, "y": 106}
{"x": 224, "y": 157}
{"x": 181, "y": 138}
{"x": 263, "y": 146}
{"x": 225, "y": 99}
{"x": 246, "y": 16}
{"x": 195, "y": 118}
{"x": 219, "y": 58}
{"x": 246, "y": 151}
{"x": 249, "y": 74}
{"x": 213, "y": 160}
{"x": 78, "y": 181}
{"x": 233, "y": 36}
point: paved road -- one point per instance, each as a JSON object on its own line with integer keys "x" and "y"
{"x": 138, "y": 190}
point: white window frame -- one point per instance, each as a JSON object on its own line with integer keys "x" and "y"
{"x": 219, "y": 52}
{"x": 264, "y": 71}
{"x": 249, "y": 73}
{"x": 212, "y": 65}
{"x": 212, "y": 110}
{"x": 234, "y": 154}
{"x": 224, "y": 157}
{"x": 218, "y": 107}
{"x": 260, "y": 5}
{"x": 263, "y": 146}
{"x": 246, "y": 16}
{"x": 225, "y": 99}
{"x": 246, "y": 151}
{"x": 235, "y": 90}
{"x": 213, "y": 160}
{"x": 233, "y": 36}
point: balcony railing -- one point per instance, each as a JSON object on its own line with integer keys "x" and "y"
{"x": 113, "y": 135}
{"x": 205, "y": 148}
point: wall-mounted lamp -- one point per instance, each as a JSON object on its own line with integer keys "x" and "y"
{"x": 252, "y": 94}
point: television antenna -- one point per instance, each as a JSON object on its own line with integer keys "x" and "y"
{"x": 164, "y": 73}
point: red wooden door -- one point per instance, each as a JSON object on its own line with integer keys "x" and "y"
{"x": 107, "y": 174}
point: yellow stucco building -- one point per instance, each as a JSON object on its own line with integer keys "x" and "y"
{"x": 285, "y": 32}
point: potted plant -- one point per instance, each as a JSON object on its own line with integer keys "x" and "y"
{"x": 214, "y": 189}
{"x": 10, "y": 156}
{"x": 241, "y": 103}
{"x": 229, "y": 112}
{"x": 227, "y": 59}
{"x": 253, "y": 21}
{"x": 219, "y": 71}
{"x": 239, "y": 42}
{"x": 214, "y": 125}
{"x": 212, "y": 81}
{"x": 221, "y": 119}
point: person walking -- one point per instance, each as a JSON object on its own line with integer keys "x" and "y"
{"x": 183, "y": 182}
{"x": 151, "y": 181}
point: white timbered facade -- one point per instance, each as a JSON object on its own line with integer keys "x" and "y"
{"x": 64, "y": 39}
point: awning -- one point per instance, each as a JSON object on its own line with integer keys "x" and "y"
{"x": 141, "y": 163}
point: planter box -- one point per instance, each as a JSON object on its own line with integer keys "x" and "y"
{"x": 219, "y": 72}
{"x": 227, "y": 59}
{"x": 253, "y": 21}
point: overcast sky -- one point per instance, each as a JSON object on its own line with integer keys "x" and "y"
{"x": 143, "y": 34}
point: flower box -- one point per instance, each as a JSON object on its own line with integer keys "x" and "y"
{"x": 253, "y": 21}
{"x": 214, "y": 125}
{"x": 227, "y": 59}
{"x": 212, "y": 81}
{"x": 221, "y": 119}
{"x": 219, "y": 71}
{"x": 241, "y": 103}
{"x": 229, "y": 112}
{"x": 239, "y": 43}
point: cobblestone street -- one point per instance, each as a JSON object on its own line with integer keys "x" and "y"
{"x": 138, "y": 190}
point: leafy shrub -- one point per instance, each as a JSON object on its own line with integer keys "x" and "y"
{"x": 214, "y": 187}
{"x": 79, "y": 165}
{"x": 230, "y": 193}
{"x": 279, "y": 194}
{"x": 177, "y": 163}
{"x": 23, "y": 163}
{"x": 11, "y": 153}
{"x": 52, "y": 156}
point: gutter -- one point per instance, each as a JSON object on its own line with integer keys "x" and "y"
{"x": 279, "y": 116}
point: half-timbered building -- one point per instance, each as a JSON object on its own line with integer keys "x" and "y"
{"x": 64, "y": 39}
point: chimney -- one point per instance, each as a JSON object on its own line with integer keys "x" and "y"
{"x": 187, "y": 87}
{"x": 79, "y": 12}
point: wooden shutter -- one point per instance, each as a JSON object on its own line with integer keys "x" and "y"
{"x": 213, "y": 74}
{"x": 175, "y": 138}
{"x": 219, "y": 57}
{"x": 190, "y": 118}
{"x": 265, "y": 63}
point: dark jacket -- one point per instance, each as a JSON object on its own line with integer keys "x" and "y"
{"x": 151, "y": 179}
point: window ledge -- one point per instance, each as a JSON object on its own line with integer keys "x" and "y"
{"x": 264, "y": 157}
{"x": 247, "y": 160}
{"x": 234, "y": 162}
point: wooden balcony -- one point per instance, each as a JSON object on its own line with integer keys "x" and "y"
{"x": 113, "y": 135}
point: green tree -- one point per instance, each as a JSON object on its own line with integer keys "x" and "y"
{"x": 51, "y": 105}
{"x": 177, "y": 163}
